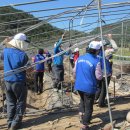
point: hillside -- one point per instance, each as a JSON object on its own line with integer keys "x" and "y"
{"x": 21, "y": 20}
{"x": 11, "y": 22}
{"x": 116, "y": 28}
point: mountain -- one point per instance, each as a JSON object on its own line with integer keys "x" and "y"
{"x": 116, "y": 29}
{"x": 13, "y": 20}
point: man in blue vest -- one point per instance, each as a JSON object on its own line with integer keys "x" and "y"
{"x": 16, "y": 90}
{"x": 58, "y": 67}
{"x": 39, "y": 71}
{"x": 87, "y": 72}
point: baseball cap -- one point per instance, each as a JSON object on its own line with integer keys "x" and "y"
{"x": 94, "y": 45}
{"x": 76, "y": 49}
{"x": 21, "y": 37}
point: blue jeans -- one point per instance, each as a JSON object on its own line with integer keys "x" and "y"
{"x": 16, "y": 94}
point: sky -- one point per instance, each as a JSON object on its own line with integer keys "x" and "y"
{"x": 65, "y": 3}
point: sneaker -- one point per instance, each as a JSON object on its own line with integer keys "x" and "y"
{"x": 85, "y": 128}
{"x": 55, "y": 90}
{"x": 60, "y": 91}
{"x": 81, "y": 116}
{"x": 14, "y": 128}
{"x": 38, "y": 93}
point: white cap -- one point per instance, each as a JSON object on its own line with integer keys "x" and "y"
{"x": 95, "y": 45}
{"x": 19, "y": 41}
{"x": 20, "y": 36}
{"x": 76, "y": 49}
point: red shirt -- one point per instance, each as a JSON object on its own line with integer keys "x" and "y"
{"x": 76, "y": 55}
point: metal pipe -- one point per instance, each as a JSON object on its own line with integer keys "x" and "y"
{"x": 106, "y": 82}
{"x": 27, "y": 3}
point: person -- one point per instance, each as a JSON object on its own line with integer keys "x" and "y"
{"x": 39, "y": 71}
{"x": 87, "y": 71}
{"x": 109, "y": 47}
{"x": 49, "y": 62}
{"x": 14, "y": 57}
{"x": 71, "y": 59}
{"x": 76, "y": 54}
{"x": 58, "y": 67}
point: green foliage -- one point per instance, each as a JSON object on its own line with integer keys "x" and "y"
{"x": 19, "y": 18}
{"x": 116, "y": 29}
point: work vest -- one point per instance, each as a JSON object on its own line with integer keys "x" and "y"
{"x": 39, "y": 67}
{"x": 85, "y": 73}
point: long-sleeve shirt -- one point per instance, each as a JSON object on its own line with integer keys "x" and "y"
{"x": 114, "y": 45}
{"x": 14, "y": 59}
{"x": 58, "y": 60}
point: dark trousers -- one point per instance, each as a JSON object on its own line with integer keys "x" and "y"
{"x": 49, "y": 67}
{"x": 39, "y": 81}
{"x": 16, "y": 94}
{"x": 58, "y": 73}
{"x": 72, "y": 63}
{"x": 101, "y": 91}
{"x": 86, "y": 106}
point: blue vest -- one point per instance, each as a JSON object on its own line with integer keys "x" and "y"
{"x": 85, "y": 73}
{"x": 39, "y": 67}
{"x": 14, "y": 59}
{"x": 108, "y": 64}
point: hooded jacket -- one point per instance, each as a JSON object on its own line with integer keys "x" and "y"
{"x": 14, "y": 59}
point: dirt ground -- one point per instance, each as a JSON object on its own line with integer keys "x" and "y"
{"x": 40, "y": 117}
{"x": 69, "y": 119}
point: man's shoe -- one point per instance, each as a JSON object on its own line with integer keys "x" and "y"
{"x": 13, "y": 128}
{"x": 85, "y": 128}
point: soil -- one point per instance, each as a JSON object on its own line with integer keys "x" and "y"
{"x": 48, "y": 111}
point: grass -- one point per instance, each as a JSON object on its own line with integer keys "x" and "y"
{"x": 125, "y": 52}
